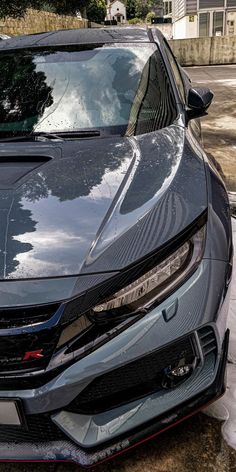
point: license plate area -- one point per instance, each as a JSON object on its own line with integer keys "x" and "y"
{"x": 11, "y": 413}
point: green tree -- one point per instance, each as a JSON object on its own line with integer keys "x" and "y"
{"x": 96, "y": 10}
{"x": 141, "y": 8}
{"x": 154, "y": 5}
{"x": 131, "y": 9}
{"x": 17, "y": 8}
{"x": 47, "y": 6}
{"x": 150, "y": 15}
{"x": 69, "y": 7}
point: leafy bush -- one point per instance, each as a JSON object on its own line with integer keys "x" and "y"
{"x": 46, "y": 6}
{"x": 149, "y": 16}
{"x": 135, "y": 21}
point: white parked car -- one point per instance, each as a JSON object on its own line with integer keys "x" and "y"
{"x": 4, "y": 36}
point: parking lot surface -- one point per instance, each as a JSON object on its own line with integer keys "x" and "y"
{"x": 219, "y": 127}
{"x": 196, "y": 445}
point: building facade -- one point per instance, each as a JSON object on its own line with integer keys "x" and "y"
{"x": 116, "y": 11}
{"x": 198, "y": 18}
{"x": 167, "y": 8}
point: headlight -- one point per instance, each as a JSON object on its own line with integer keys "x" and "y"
{"x": 158, "y": 281}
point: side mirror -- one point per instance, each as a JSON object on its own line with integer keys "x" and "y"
{"x": 199, "y": 100}
{"x": 232, "y": 202}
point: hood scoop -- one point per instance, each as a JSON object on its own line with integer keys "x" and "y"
{"x": 14, "y": 168}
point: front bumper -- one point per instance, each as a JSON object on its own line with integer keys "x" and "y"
{"x": 66, "y": 450}
{"x": 58, "y": 434}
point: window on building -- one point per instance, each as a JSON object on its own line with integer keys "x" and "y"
{"x": 204, "y": 24}
{"x": 218, "y": 23}
{"x": 167, "y": 8}
{"x": 205, "y": 4}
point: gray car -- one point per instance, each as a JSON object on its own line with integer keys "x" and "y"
{"x": 115, "y": 246}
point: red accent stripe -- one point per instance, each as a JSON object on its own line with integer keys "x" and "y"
{"x": 117, "y": 454}
{"x": 152, "y": 436}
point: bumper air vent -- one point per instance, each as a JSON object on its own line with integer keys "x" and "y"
{"x": 207, "y": 340}
{"x": 134, "y": 380}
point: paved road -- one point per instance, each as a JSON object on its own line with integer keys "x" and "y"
{"x": 195, "y": 446}
{"x": 219, "y": 127}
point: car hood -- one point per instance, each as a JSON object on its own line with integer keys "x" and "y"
{"x": 97, "y": 205}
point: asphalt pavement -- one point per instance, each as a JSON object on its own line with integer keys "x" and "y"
{"x": 196, "y": 445}
{"x": 219, "y": 127}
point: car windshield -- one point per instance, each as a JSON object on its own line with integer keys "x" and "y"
{"x": 114, "y": 89}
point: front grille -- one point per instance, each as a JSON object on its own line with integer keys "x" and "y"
{"x": 14, "y": 348}
{"x": 133, "y": 380}
{"x": 207, "y": 340}
{"x": 17, "y": 345}
{"x": 40, "y": 428}
{"x": 23, "y": 316}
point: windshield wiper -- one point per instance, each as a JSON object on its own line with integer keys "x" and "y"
{"x": 85, "y": 133}
{"x": 53, "y": 137}
{"x": 32, "y": 137}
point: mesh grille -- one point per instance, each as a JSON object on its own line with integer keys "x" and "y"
{"x": 14, "y": 348}
{"x": 23, "y": 316}
{"x": 133, "y": 380}
{"x": 40, "y": 429}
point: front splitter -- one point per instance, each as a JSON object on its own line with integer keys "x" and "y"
{"x": 67, "y": 451}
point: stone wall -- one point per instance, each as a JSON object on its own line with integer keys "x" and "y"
{"x": 166, "y": 29}
{"x": 39, "y": 21}
{"x": 205, "y": 51}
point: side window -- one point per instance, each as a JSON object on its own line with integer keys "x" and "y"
{"x": 154, "y": 105}
{"x": 176, "y": 71}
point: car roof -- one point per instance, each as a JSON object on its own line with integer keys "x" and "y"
{"x": 79, "y": 37}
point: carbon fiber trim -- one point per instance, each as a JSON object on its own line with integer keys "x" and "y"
{"x": 102, "y": 291}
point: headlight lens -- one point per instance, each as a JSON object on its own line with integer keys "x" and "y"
{"x": 156, "y": 282}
